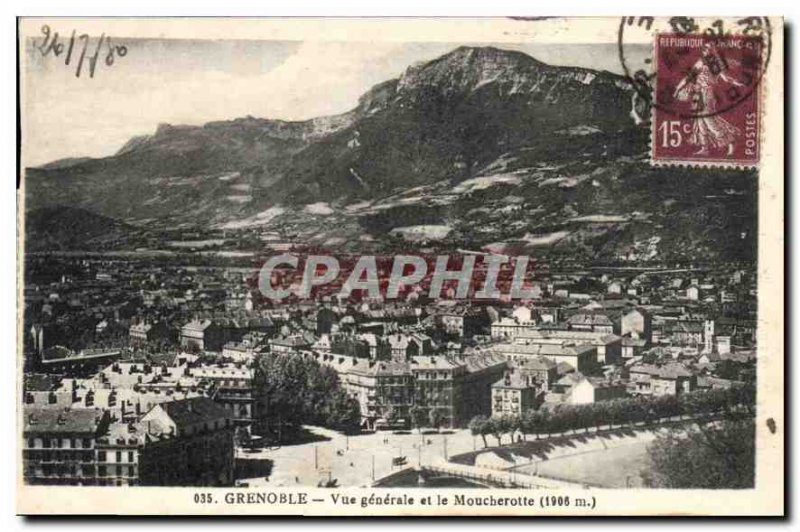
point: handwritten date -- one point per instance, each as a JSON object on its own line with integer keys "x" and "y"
{"x": 77, "y": 47}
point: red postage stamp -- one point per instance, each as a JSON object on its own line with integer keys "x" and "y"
{"x": 707, "y": 98}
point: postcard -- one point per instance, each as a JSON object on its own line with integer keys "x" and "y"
{"x": 401, "y": 266}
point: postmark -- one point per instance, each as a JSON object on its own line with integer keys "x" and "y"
{"x": 704, "y": 86}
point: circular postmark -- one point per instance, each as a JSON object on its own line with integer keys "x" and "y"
{"x": 694, "y": 67}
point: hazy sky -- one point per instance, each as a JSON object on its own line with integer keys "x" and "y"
{"x": 197, "y": 81}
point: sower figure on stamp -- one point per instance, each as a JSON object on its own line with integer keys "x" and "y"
{"x": 700, "y": 86}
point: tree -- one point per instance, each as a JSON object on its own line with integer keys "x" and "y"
{"x": 436, "y": 417}
{"x": 728, "y": 369}
{"x": 494, "y": 428}
{"x": 477, "y": 427}
{"x": 419, "y": 416}
{"x": 527, "y": 422}
{"x": 242, "y": 435}
{"x": 506, "y": 424}
{"x": 291, "y": 390}
{"x": 342, "y": 413}
{"x": 706, "y": 456}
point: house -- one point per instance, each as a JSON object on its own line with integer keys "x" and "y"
{"x": 118, "y": 454}
{"x": 402, "y": 347}
{"x": 540, "y": 372}
{"x": 59, "y": 445}
{"x": 438, "y": 384}
{"x": 670, "y": 379}
{"x": 686, "y": 332}
{"x": 513, "y": 395}
{"x": 693, "y": 292}
{"x": 384, "y": 389}
{"x": 673, "y": 379}
{"x": 615, "y": 287}
{"x": 637, "y": 322}
{"x": 640, "y": 378}
{"x": 189, "y": 442}
{"x": 463, "y": 322}
{"x": 594, "y": 389}
{"x": 578, "y": 356}
{"x": 144, "y": 332}
{"x": 244, "y": 351}
{"x": 608, "y": 346}
{"x": 292, "y": 342}
{"x": 510, "y": 327}
{"x": 233, "y": 385}
{"x": 561, "y": 388}
{"x": 482, "y": 370}
{"x": 632, "y": 347}
{"x": 594, "y": 321}
{"x": 203, "y": 335}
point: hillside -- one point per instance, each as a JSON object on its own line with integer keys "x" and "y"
{"x": 480, "y": 149}
{"x": 61, "y": 228}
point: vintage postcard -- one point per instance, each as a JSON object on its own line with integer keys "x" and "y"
{"x": 432, "y": 267}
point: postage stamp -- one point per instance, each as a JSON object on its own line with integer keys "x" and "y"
{"x": 702, "y": 85}
{"x": 706, "y": 105}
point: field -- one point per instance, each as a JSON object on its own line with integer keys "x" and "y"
{"x": 615, "y": 467}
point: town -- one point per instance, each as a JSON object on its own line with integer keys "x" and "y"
{"x": 142, "y": 371}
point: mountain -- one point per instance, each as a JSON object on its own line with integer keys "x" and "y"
{"x": 480, "y": 148}
{"x": 67, "y": 228}
{"x": 439, "y": 120}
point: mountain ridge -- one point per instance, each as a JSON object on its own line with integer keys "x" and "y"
{"x": 466, "y": 130}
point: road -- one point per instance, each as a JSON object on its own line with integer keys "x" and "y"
{"x": 356, "y": 460}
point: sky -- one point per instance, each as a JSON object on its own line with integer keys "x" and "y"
{"x": 186, "y": 81}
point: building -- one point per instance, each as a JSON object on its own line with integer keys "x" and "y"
{"x": 637, "y": 322}
{"x": 59, "y": 445}
{"x": 292, "y": 343}
{"x": 632, "y": 347}
{"x": 458, "y": 389}
{"x": 593, "y": 389}
{"x": 693, "y": 293}
{"x": 118, "y": 454}
{"x": 145, "y": 332}
{"x": 683, "y": 332}
{"x": 463, "y": 322}
{"x": 384, "y": 389}
{"x": 608, "y": 346}
{"x": 189, "y": 442}
{"x": 438, "y": 384}
{"x": 233, "y": 385}
{"x": 580, "y": 356}
{"x": 244, "y": 351}
{"x": 510, "y": 327}
{"x": 513, "y": 395}
{"x": 540, "y": 372}
{"x": 615, "y": 287}
{"x": 204, "y": 335}
{"x": 593, "y": 321}
{"x": 483, "y": 370}
{"x": 670, "y": 379}
{"x": 402, "y": 347}
{"x": 61, "y": 360}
